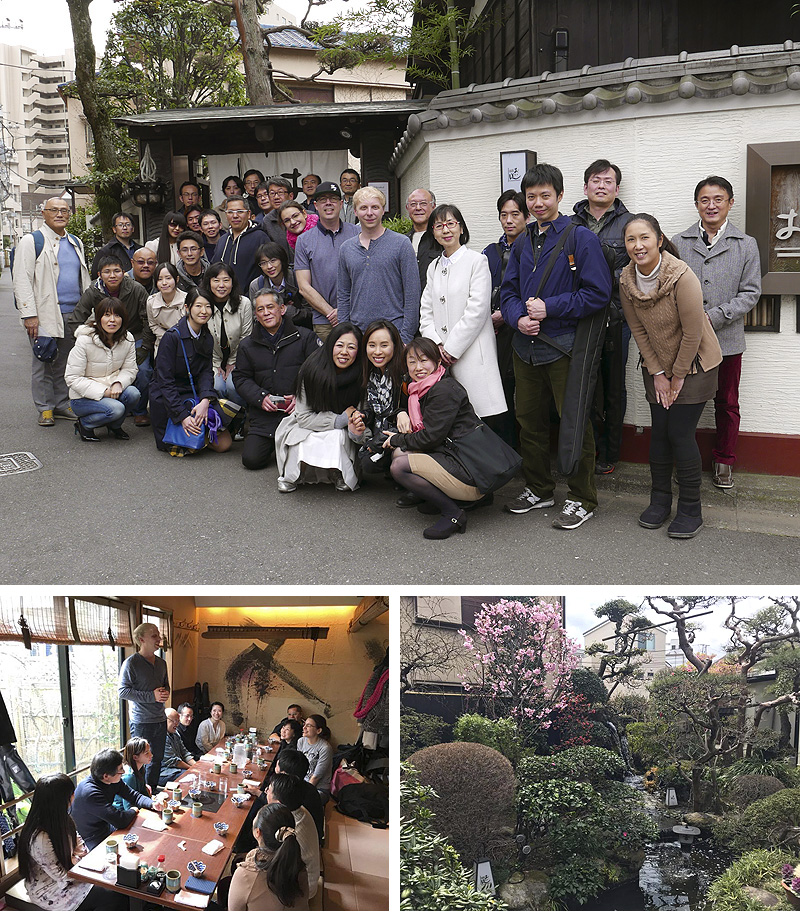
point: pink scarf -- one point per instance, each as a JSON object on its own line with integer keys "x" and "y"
{"x": 311, "y": 221}
{"x": 416, "y": 391}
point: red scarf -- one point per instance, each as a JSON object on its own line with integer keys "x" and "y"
{"x": 311, "y": 221}
{"x": 416, "y": 391}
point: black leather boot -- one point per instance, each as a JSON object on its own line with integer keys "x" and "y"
{"x": 658, "y": 511}
{"x": 687, "y": 522}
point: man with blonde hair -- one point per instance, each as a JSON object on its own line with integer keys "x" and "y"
{"x": 144, "y": 683}
{"x": 378, "y": 273}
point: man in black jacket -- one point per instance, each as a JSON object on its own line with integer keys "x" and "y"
{"x": 121, "y": 244}
{"x": 606, "y": 216}
{"x": 420, "y": 204}
{"x": 266, "y": 374}
{"x": 279, "y": 190}
{"x": 238, "y": 245}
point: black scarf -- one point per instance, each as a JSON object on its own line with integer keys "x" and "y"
{"x": 348, "y": 387}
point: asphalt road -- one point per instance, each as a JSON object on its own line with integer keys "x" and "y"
{"x": 125, "y": 514}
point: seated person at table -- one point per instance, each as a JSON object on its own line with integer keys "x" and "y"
{"x": 187, "y": 728}
{"x": 93, "y": 807}
{"x": 315, "y": 746}
{"x": 291, "y": 731}
{"x": 286, "y": 790}
{"x": 273, "y": 875}
{"x": 176, "y": 758}
{"x": 295, "y": 763}
{"x": 211, "y": 731}
{"x": 137, "y": 754}
{"x": 49, "y": 846}
{"x": 293, "y": 712}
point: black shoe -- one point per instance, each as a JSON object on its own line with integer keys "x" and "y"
{"x": 407, "y": 500}
{"x": 658, "y": 511}
{"x": 84, "y": 433}
{"x": 120, "y": 434}
{"x": 603, "y": 469}
{"x": 446, "y": 526}
{"x": 687, "y": 522}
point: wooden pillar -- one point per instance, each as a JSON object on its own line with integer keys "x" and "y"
{"x": 376, "y": 149}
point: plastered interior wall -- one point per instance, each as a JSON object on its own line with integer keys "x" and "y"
{"x": 182, "y": 658}
{"x": 663, "y": 150}
{"x": 264, "y": 677}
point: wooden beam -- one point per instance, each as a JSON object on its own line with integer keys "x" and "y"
{"x": 368, "y": 610}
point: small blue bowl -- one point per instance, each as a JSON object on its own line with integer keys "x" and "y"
{"x": 221, "y": 828}
{"x": 196, "y": 867}
{"x": 239, "y": 799}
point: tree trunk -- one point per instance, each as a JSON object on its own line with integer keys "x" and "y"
{"x": 697, "y": 789}
{"x": 108, "y": 195}
{"x": 257, "y": 66}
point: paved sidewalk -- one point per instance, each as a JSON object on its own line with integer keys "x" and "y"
{"x": 125, "y": 514}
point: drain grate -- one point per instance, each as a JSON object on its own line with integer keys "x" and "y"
{"x": 21, "y": 462}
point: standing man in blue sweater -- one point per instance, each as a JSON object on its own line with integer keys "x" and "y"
{"x": 144, "y": 683}
{"x": 534, "y": 300}
{"x": 378, "y": 272}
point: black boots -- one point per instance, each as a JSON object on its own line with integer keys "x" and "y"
{"x": 658, "y": 511}
{"x": 687, "y": 522}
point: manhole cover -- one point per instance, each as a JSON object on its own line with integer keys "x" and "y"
{"x": 21, "y": 462}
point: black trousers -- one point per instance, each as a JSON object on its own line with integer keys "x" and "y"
{"x": 258, "y": 451}
{"x": 672, "y": 441}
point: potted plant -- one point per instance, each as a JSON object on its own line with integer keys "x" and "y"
{"x": 791, "y": 884}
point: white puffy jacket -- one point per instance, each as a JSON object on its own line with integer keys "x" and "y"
{"x": 92, "y": 367}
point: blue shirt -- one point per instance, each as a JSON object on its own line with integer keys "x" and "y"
{"x": 68, "y": 286}
{"x": 317, "y": 251}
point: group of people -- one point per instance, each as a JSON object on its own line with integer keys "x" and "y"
{"x": 344, "y": 348}
{"x": 279, "y": 841}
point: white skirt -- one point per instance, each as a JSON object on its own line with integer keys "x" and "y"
{"x": 321, "y": 457}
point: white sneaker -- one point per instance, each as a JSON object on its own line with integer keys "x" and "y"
{"x": 572, "y": 516}
{"x": 285, "y": 485}
{"x": 526, "y": 501}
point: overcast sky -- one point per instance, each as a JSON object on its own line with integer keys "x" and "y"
{"x": 582, "y": 602}
{"x": 47, "y": 27}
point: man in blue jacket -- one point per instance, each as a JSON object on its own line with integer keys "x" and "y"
{"x": 93, "y": 808}
{"x": 237, "y": 246}
{"x": 547, "y": 294}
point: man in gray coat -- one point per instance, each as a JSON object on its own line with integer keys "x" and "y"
{"x": 727, "y": 263}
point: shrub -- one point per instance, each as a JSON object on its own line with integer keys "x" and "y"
{"x": 758, "y": 763}
{"x": 431, "y": 875}
{"x": 399, "y": 223}
{"x": 749, "y": 788}
{"x": 91, "y": 237}
{"x": 501, "y": 734}
{"x": 420, "y": 730}
{"x": 475, "y": 785}
{"x": 766, "y": 821}
{"x": 631, "y": 706}
{"x": 589, "y": 685}
{"x": 760, "y": 868}
{"x": 586, "y": 763}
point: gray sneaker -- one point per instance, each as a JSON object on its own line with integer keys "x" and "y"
{"x": 572, "y": 516}
{"x": 526, "y": 501}
{"x": 285, "y": 485}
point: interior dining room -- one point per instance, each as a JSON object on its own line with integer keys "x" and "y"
{"x": 244, "y": 678}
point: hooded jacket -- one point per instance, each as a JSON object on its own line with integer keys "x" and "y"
{"x": 92, "y": 366}
{"x": 240, "y": 253}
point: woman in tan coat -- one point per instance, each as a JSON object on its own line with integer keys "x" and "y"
{"x": 273, "y": 876}
{"x": 663, "y": 304}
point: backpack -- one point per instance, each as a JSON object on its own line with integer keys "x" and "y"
{"x": 367, "y": 802}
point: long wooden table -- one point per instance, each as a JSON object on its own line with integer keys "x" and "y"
{"x": 185, "y": 828}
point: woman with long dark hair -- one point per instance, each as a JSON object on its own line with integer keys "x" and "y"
{"x": 316, "y": 746}
{"x": 663, "y": 303}
{"x": 312, "y": 444}
{"x": 187, "y": 349}
{"x": 273, "y": 876}
{"x": 100, "y": 372}
{"x": 165, "y": 246}
{"x": 230, "y": 322}
{"x": 277, "y": 276}
{"x": 49, "y": 847}
{"x": 136, "y": 755}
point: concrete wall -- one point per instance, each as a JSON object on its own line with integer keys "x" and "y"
{"x": 663, "y": 150}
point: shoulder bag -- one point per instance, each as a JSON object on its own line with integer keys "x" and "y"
{"x": 488, "y": 460}
{"x": 176, "y": 434}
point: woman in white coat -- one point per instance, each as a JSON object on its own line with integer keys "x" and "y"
{"x": 455, "y": 312}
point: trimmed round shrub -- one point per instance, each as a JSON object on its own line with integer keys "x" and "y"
{"x": 749, "y": 788}
{"x": 631, "y": 707}
{"x": 590, "y": 685}
{"x": 475, "y": 787}
{"x": 420, "y": 730}
{"x": 767, "y": 821}
{"x": 586, "y": 763}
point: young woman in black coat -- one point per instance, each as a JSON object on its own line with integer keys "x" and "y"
{"x": 439, "y": 409}
{"x": 171, "y": 387}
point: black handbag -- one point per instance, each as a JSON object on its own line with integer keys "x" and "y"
{"x": 488, "y": 460}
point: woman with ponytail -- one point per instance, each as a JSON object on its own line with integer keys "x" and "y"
{"x": 273, "y": 876}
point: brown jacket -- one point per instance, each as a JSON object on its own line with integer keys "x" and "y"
{"x": 670, "y": 326}
{"x": 249, "y": 890}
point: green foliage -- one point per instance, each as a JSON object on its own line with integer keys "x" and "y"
{"x": 749, "y": 788}
{"x": 590, "y": 685}
{"x": 584, "y": 763}
{"x": 761, "y": 869}
{"x": 476, "y": 793}
{"x": 91, "y": 237}
{"x": 758, "y": 763}
{"x": 398, "y": 223}
{"x": 630, "y": 706}
{"x": 500, "y": 734}
{"x": 431, "y": 875}
{"x": 420, "y": 730}
{"x": 771, "y": 821}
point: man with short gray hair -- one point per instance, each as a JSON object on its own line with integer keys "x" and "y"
{"x": 419, "y": 205}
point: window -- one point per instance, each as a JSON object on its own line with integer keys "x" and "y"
{"x": 765, "y": 317}
{"x": 646, "y": 641}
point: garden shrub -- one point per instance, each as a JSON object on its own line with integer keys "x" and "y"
{"x": 500, "y": 734}
{"x": 766, "y": 821}
{"x": 671, "y": 775}
{"x": 631, "y": 707}
{"x": 431, "y": 875}
{"x": 601, "y": 736}
{"x": 583, "y": 763}
{"x": 590, "y": 685}
{"x": 761, "y": 869}
{"x": 749, "y": 788}
{"x": 420, "y": 730}
{"x": 475, "y": 785}
{"x": 758, "y": 763}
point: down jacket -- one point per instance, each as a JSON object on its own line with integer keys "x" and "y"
{"x": 92, "y": 367}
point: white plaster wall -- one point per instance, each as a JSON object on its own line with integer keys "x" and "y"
{"x": 662, "y": 150}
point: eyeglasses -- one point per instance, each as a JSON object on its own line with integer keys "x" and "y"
{"x": 266, "y": 263}
{"x": 416, "y": 205}
{"x": 237, "y": 211}
{"x": 188, "y": 249}
{"x": 123, "y": 225}
{"x": 446, "y": 225}
{"x": 57, "y": 210}
{"x": 150, "y": 262}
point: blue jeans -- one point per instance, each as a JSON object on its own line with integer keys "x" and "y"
{"x": 142, "y": 384}
{"x": 225, "y": 388}
{"x": 156, "y": 735}
{"x": 108, "y": 411}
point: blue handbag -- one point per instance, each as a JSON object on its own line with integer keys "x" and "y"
{"x": 175, "y": 433}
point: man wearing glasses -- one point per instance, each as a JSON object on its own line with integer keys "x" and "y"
{"x": 192, "y": 261}
{"x": 420, "y": 204}
{"x": 279, "y": 190}
{"x": 121, "y": 244}
{"x": 50, "y": 274}
{"x": 143, "y": 269}
{"x": 237, "y": 246}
